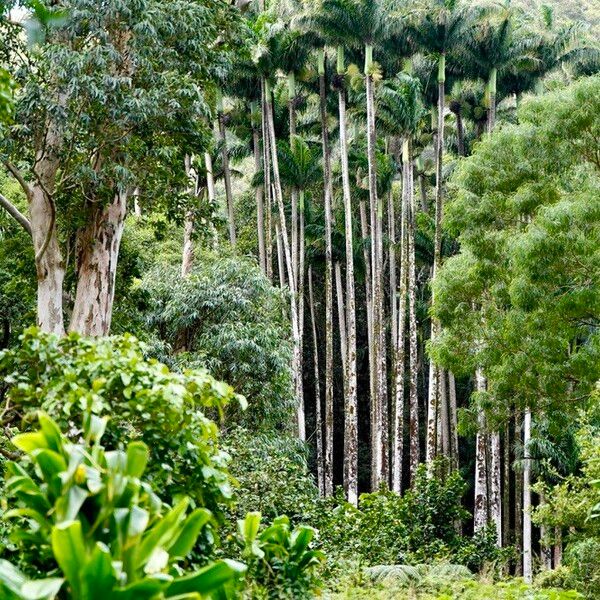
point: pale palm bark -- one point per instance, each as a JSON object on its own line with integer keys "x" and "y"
{"x": 267, "y": 187}
{"x": 259, "y": 195}
{"x": 557, "y": 551}
{"x": 187, "y": 257}
{"x": 481, "y": 502}
{"x": 98, "y": 244}
{"x": 351, "y": 402}
{"x": 444, "y": 420}
{"x": 492, "y": 84}
{"x": 399, "y": 360}
{"x": 318, "y": 415}
{"x": 296, "y": 360}
{"x": 414, "y": 442}
{"x": 433, "y": 403}
{"x": 496, "y": 486}
{"x": 452, "y": 407}
{"x": 341, "y": 310}
{"x": 378, "y": 362}
{"x": 328, "y": 190}
{"x": 527, "y": 550}
{"x": 518, "y": 500}
{"x": 211, "y": 194}
{"x": 506, "y": 487}
{"x": 227, "y": 176}
{"x": 545, "y": 549}
{"x": 280, "y": 258}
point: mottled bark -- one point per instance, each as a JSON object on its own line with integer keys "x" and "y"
{"x": 267, "y": 175}
{"x": 481, "y": 501}
{"x": 527, "y": 550}
{"x": 318, "y": 415}
{"x": 350, "y": 404}
{"x": 496, "y": 486}
{"x": 453, "y": 414}
{"x": 518, "y": 500}
{"x": 227, "y": 179}
{"x": 414, "y": 442}
{"x": 98, "y": 244}
{"x": 328, "y": 193}
{"x": 260, "y": 208}
{"x": 296, "y": 359}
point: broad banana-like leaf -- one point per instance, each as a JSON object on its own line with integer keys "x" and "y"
{"x": 15, "y": 586}
{"x": 68, "y": 547}
{"x": 52, "y": 432}
{"x": 207, "y": 580}
{"x": 248, "y": 527}
{"x": 28, "y": 442}
{"x": 162, "y": 534}
{"x": 137, "y": 458}
{"x": 68, "y": 505}
{"x": 51, "y": 463}
{"x": 190, "y": 531}
{"x": 148, "y": 588}
{"x": 98, "y": 575}
{"x": 301, "y": 538}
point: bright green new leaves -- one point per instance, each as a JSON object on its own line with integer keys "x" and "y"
{"x": 109, "y": 533}
{"x": 279, "y": 557}
{"x": 526, "y": 210}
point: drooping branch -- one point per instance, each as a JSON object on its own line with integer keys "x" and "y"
{"x": 15, "y": 213}
{"x": 19, "y": 177}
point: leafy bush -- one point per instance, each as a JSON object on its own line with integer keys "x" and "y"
{"x": 88, "y": 512}
{"x": 281, "y": 561}
{"x": 422, "y": 525}
{"x": 583, "y": 560}
{"x": 271, "y": 475}
{"x": 66, "y": 377}
{"x": 227, "y": 317}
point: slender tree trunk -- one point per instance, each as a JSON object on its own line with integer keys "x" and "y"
{"x": 460, "y": 131}
{"x": 341, "y": 309}
{"x": 454, "y": 455}
{"x": 187, "y": 258}
{"x": 318, "y": 416}
{"x": 375, "y": 209}
{"x": 98, "y": 251}
{"x": 328, "y": 278}
{"x": 267, "y": 175}
{"x": 350, "y": 405}
{"x": 518, "y": 501}
{"x": 399, "y": 362}
{"x": 137, "y": 209}
{"x": 481, "y": 503}
{"x": 506, "y": 488}
{"x": 211, "y": 194}
{"x": 557, "y": 547}
{"x": 296, "y": 363}
{"x": 496, "y": 486}
{"x": 227, "y": 176}
{"x": 280, "y": 258}
{"x": 545, "y": 549}
{"x": 434, "y": 372}
{"x": 414, "y": 443}
{"x": 444, "y": 429}
{"x": 259, "y": 195}
{"x": 527, "y": 551}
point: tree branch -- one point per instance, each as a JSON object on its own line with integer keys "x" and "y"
{"x": 14, "y": 212}
{"x": 19, "y": 177}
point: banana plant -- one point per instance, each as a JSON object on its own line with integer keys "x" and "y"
{"x": 109, "y": 533}
{"x": 279, "y": 556}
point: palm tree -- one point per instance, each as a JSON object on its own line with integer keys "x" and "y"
{"x": 438, "y": 30}
{"x": 400, "y": 113}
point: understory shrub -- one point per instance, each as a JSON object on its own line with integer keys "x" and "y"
{"x": 227, "y": 317}
{"x": 86, "y": 516}
{"x": 423, "y": 525}
{"x": 144, "y": 400}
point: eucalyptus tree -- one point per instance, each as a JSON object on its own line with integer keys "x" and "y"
{"x": 99, "y": 115}
{"x": 400, "y": 112}
{"x": 438, "y": 29}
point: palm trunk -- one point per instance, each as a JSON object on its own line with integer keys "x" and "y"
{"x": 496, "y": 486}
{"x": 98, "y": 252}
{"x": 375, "y": 210}
{"x": 506, "y": 488}
{"x": 187, "y": 258}
{"x": 267, "y": 176}
{"x": 339, "y": 290}
{"x": 227, "y": 176}
{"x": 557, "y": 553}
{"x": 328, "y": 279}
{"x": 444, "y": 420}
{"x": 318, "y": 417}
{"x": 350, "y": 405}
{"x": 414, "y": 443}
{"x": 259, "y": 195}
{"x": 460, "y": 132}
{"x": 527, "y": 551}
{"x": 399, "y": 361}
{"x": 296, "y": 362}
{"x": 211, "y": 193}
{"x": 518, "y": 501}
{"x": 454, "y": 455}
{"x": 481, "y": 503}
{"x": 280, "y": 258}
{"x": 545, "y": 549}
{"x": 433, "y": 413}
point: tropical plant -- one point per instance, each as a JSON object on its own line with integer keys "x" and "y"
{"x": 89, "y": 511}
{"x": 280, "y": 559}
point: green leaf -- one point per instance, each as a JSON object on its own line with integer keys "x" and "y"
{"x": 209, "y": 579}
{"x": 137, "y": 458}
{"x": 42, "y": 589}
{"x": 162, "y": 533}
{"x": 69, "y": 551}
{"x": 98, "y": 576}
{"x": 191, "y": 529}
{"x": 68, "y": 505}
{"x": 143, "y": 590}
{"x": 248, "y": 527}
{"x": 28, "y": 442}
{"x": 51, "y": 431}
